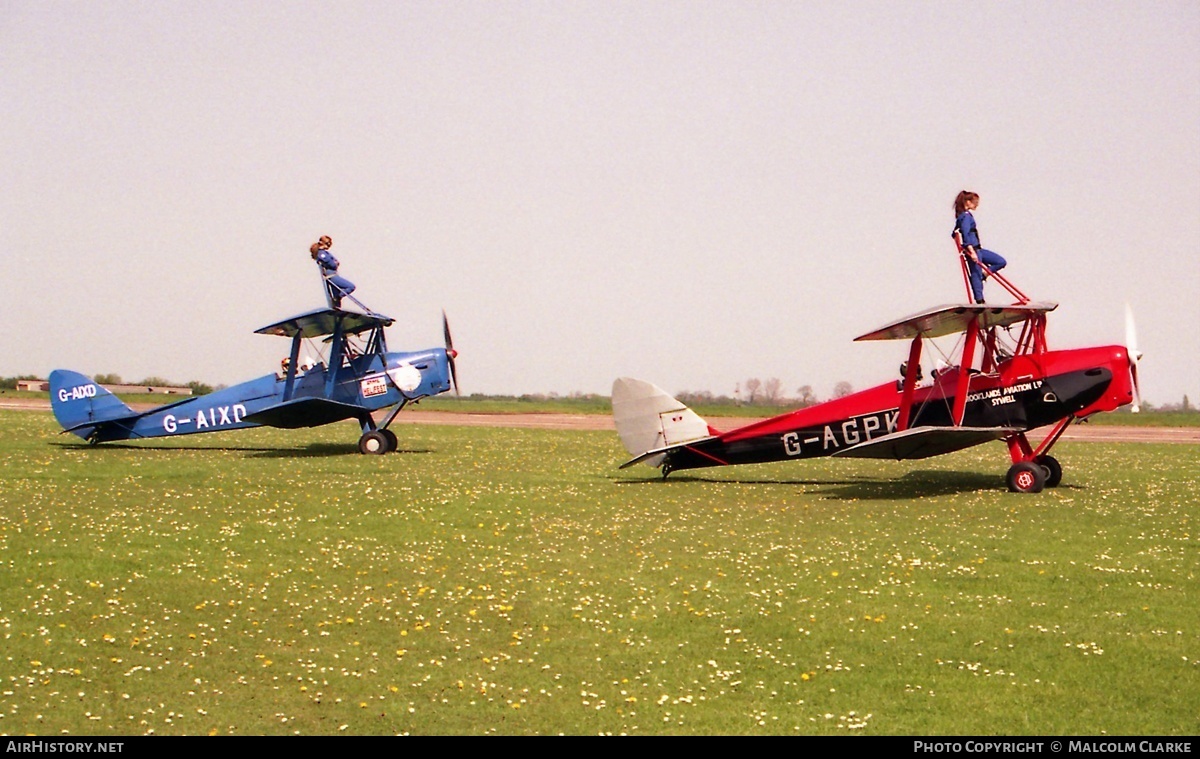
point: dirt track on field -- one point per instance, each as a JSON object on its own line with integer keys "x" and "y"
{"x": 1085, "y": 432}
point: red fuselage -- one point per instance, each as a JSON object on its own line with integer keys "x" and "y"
{"x": 1024, "y": 392}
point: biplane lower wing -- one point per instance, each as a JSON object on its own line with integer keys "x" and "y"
{"x": 305, "y": 412}
{"x": 925, "y": 442}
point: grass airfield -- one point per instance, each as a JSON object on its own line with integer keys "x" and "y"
{"x": 513, "y": 581}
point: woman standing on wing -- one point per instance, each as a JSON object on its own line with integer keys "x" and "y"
{"x": 336, "y": 287}
{"x": 967, "y": 235}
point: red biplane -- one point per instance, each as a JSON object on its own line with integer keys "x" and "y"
{"x": 1005, "y": 383}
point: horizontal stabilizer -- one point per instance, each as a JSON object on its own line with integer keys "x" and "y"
{"x": 305, "y": 412}
{"x": 924, "y": 442}
{"x": 655, "y": 457}
{"x": 650, "y": 422}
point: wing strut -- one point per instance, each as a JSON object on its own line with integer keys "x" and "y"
{"x": 335, "y": 358}
{"x": 964, "y": 374}
{"x": 910, "y": 383}
{"x": 290, "y": 385}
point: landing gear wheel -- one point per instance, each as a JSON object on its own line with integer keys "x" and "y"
{"x": 392, "y": 441}
{"x": 1026, "y": 477}
{"x": 373, "y": 442}
{"x": 1053, "y": 470}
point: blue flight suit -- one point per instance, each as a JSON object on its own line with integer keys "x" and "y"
{"x": 964, "y": 225}
{"x": 337, "y": 287}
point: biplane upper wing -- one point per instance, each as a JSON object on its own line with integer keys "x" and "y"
{"x": 323, "y": 321}
{"x": 949, "y": 319}
{"x": 924, "y": 442}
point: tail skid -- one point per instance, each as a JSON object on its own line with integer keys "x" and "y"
{"x": 82, "y": 406}
{"x": 650, "y": 422}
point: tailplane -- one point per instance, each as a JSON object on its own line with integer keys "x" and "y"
{"x": 649, "y": 420}
{"x": 81, "y": 405}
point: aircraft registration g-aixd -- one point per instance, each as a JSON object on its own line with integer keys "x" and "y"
{"x": 356, "y": 377}
{"x": 1006, "y": 382}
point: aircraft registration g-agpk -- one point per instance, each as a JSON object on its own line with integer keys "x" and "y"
{"x": 359, "y": 376}
{"x": 1005, "y": 383}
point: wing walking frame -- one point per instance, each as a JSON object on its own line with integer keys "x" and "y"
{"x": 965, "y": 254}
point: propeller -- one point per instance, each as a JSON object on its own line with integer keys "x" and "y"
{"x": 451, "y": 354}
{"x": 1134, "y": 357}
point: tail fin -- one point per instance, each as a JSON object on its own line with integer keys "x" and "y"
{"x": 80, "y": 405}
{"x": 648, "y": 419}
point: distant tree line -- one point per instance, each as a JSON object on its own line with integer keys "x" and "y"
{"x": 757, "y": 392}
{"x": 197, "y": 388}
{"x": 1184, "y": 405}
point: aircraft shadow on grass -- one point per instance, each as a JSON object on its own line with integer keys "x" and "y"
{"x": 321, "y": 450}
{"x": 315, "y": 450}
{"x": 915, "y": 484}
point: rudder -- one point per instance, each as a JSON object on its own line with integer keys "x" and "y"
{"x": 648, "y": 418}
{"x": 79, "y": 403}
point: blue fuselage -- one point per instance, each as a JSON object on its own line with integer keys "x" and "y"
{"x": 317, "y": 396}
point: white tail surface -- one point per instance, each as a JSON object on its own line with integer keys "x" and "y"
{"x": 648, "y": 418}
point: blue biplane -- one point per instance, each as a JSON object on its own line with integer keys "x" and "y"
{"x": 358, "y": 377}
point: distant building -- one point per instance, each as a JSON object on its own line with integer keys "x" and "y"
{"x": 34, "y": 385}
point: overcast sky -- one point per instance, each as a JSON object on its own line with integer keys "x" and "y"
{"x": 691, "y": 193}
